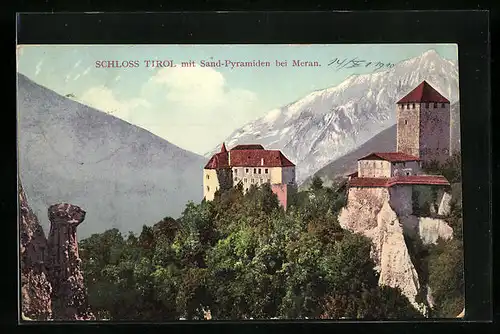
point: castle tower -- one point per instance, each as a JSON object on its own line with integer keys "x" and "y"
{"x": 423, "y": 124}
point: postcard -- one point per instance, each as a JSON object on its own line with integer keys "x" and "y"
{"x": 239, "y": 182}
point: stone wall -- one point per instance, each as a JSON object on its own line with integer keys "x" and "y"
{"x": 374, "y": 168}
{"x": 403, "y": 168}
{"x": 408, "y": 125}
{"x": 435, "y": 132}
{"x": 288, "y": 175}
{"x": 284, "y": 193}
{"x": 401, "y": 199}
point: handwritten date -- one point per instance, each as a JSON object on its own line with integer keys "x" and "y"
{"x": 340, "y": 63}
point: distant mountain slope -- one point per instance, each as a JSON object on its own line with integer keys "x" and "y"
{"x": 122, "y": 175}
{"x": 329, "y": 123}
{"x": 385, "y": 141}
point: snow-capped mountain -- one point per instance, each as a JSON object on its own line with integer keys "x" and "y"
{"x": 329, "y": 123}
{"x": 384, "y": 141}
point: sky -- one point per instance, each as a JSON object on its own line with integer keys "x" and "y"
{"x": 184, "y": 104}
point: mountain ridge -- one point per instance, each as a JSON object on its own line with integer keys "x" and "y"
{"x": 124, "y": 176}
{"x": 384, "y": 141}
{"x": 326, "y": 124}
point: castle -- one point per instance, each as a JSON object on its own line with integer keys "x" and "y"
{"x": 423, "y": 136}
{"x": 249, "y": 165}
{"x": 423, "y": 124}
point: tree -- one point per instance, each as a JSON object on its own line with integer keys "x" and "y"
{"x": 446, "y": 277}
{"x": 317, "y": 183}
{"x": 240, "y": 256}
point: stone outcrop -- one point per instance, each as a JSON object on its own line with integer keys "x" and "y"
{"x": 445, "y": 205}
{"x": 35, "y": 287}
{"x": 431, "y": 229}
{"x": 51, "y": 279}
{"x": 64, "y": 264}
{"x": 383, "y": 217}
{"x": 396, "y": 267}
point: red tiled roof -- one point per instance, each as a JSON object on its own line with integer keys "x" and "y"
{"x": 259, "y": 157}
{"x": 223, "y": 148}
{"x": 218, "y": 160}
{"x": 424, "y": 93}
{"x": 248, "y": 158}
{"x": 419, "y": 179}
{"x": 248, "y": 147}
{"x": 399, "y": 180}
{"x": 390, "y": 156}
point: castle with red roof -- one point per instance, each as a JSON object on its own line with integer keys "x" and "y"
{"x": 249, "y": 165}
{"x": 423, "y": 124}
{"x": 423, "y": 135}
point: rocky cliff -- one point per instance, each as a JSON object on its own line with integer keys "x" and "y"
{"x": 35, "y": 287}
{"x": 51, "y": 279}
{"x": 64, "y": 264}
{"x": 378, "y": 215}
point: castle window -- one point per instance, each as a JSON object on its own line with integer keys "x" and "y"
{"x": 235, "y": 179}
{"x": 413, "y": 106}
{"x": 260, "y": 171}
{"x": 406, "y": 121}
{"x": 251, "y": 180}
{"x": 208, "y": 176}
{"x": 435, "y": 105}
{"x": 246, "y": 170}
{"x": 442, "y": 105}
{"x": 235, "y": 171}
{"x": 208, "y": 188}
{"x": 245, "y": 180}
{"x": 427, "y": 104}
{"x": 404, "y": 164}
{"x": 408, "y": 106}
{"x": 266, "y": 171}
{"x": 255, "y": 170}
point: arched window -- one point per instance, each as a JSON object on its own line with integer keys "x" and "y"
{"x": 208, "y": 188}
